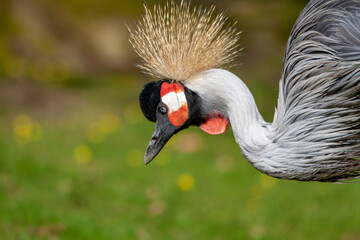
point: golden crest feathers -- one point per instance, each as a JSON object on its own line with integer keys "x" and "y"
{"x": 176, "y": 42}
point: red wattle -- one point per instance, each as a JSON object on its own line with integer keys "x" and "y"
{"x": 215, "y": 124}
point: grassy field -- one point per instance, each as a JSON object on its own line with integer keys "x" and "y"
{"x": 80, "y": 175}
{"x": 72, "y": 137}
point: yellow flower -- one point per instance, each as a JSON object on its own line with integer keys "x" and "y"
{"x": 23, "y": 127}
{"x": 186, "y": 182}
{"x": 82, "y": 153}
{"x": 26, "y": 130}
{"x": 109, "y": 123}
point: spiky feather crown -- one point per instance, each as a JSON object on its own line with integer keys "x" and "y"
{"x": 176, "y": 42}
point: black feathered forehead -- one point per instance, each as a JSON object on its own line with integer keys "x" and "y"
{"x": 149, "y": 99}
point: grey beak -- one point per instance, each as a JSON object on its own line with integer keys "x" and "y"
{"x": 162, "y": 133}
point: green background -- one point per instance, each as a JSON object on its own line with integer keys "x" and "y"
{"x": 73, "y": 137}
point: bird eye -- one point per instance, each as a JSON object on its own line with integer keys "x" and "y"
{"x": 162, "y": 110}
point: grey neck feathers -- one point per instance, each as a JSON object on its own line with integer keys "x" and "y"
{"x": 224, "y": 92}
{"x": 268, "y": 150}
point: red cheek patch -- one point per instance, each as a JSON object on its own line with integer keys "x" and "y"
{"x": 179, "y": 117}
{"x": 215, "y": 124}
{"x": 173, "y": 96}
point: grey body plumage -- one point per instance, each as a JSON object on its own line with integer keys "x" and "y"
{"x": 315, "y": 135}
{"x": 318, "y": 114}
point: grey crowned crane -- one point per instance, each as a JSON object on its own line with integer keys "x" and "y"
{"x": 315, "y": 134}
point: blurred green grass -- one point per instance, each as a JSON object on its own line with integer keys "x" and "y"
{"x": 46, "y": 192}
{"x": 73, "y": 138}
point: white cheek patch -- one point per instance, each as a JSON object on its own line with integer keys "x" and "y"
{"x": 173, "y": 96}
{"x": 174, "y": 101}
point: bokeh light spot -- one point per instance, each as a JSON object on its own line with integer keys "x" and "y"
{"x": 157, "y": 208}
{"x": 188, "y": 142}
{"x": 186, "y": 182}
{"x": 26, "y": 130}
{"x": 23, "y": 126}
{"x": 110, "y": 123}
{"x": 224, "y": 163}
{"x": 142, "y": 233}
{"x": 153, "y": 192}
{"x": 82, "y": 153}
{"x": 257, "y": 231}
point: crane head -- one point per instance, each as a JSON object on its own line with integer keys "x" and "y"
{"x": 174, "y": 107}
{"x": 179, "y": 42}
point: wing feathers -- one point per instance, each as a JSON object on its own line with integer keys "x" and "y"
{"x": 318, "y": 114}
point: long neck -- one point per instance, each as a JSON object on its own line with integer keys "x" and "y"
{"x": 230, "y": 96}
{"x": 274, "y": 151}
